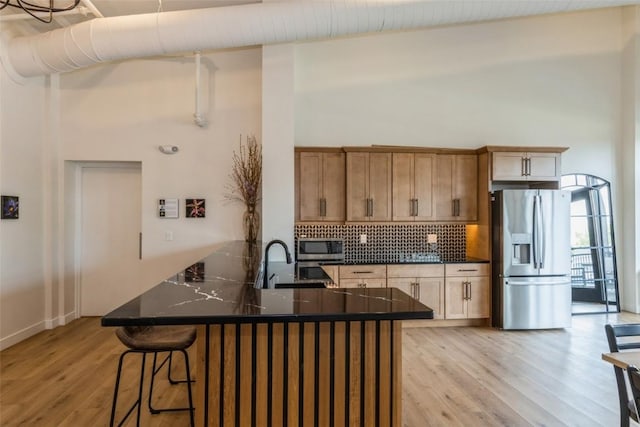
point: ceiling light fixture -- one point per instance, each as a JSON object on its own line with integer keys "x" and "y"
{"x": 41, "y": 6}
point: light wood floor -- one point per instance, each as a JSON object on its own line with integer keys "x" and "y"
{"x": 452, "y": 377}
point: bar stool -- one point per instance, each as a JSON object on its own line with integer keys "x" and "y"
{"x": 154, "y": 339}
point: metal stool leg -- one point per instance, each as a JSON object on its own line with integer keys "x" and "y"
{"x": 155, "y": 369}
{"x": 138, "y": 402}
{"x": 189, "y": 381}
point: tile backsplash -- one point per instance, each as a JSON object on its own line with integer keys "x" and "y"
{"x": 394, "y": 243}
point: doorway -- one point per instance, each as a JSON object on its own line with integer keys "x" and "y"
{"x": 108, "y": 226}
{"x": 594, "y": 284}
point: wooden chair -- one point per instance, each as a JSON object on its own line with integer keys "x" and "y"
{"x": 620, "y": 337}
{"x": 154, "y": 340}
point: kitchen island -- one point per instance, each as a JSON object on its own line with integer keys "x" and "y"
{"x": 274, "y": 357}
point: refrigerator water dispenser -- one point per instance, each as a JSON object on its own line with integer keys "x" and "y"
{"x": 521, "y": 244}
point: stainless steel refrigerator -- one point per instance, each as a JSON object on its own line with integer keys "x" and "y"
{"x": 531, "y": 259}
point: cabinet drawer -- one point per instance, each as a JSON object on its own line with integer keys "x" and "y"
{"x": 415, "y": 270}
{"x": 363, "y": 271}
{"x": 363, "y": 283}
{"x": 467, "y": 270}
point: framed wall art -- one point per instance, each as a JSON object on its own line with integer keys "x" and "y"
{"x": 195, "y": 208}
{"x": 10, "y": 207}
{"x": 194, "y": 273}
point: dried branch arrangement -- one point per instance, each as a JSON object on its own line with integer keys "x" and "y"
{"x": 246, "y": 173}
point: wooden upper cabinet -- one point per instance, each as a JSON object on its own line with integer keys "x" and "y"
{"x": 321, "y": 182}
{"x": 525, "y": 166}
{"x": 413, "y": 186}
{"x": 457, "y": 187}
{"x": 368, "y": 186}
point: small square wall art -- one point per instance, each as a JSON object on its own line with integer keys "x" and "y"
{"x": 194, "y": 273}
{"x": 195, "y": 208}
{"x": 10, "y": 207}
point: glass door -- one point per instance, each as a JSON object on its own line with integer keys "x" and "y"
{"x": 593, "y": 265}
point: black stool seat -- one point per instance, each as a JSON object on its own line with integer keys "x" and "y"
{"x": 154, "y": 339}
{"x": 157, "y": 338}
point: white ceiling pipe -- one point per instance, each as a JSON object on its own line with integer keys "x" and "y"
{"x": 153, "y": 34}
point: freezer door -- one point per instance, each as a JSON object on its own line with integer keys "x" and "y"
{"x": 537, "y": 303}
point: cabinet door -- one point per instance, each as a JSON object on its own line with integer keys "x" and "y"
{"x": 454, "y": 293}
{"x": 465, "y": 181}
{"x": 508, "y": 166}
{"x": 310, "y": 185}
{"x": 357, "y": 186}
{"x": 403, "y": 178}
{"x": 431, "y": 293}
{"x": 444, "y": 187}
{"x": 544, "y": 166}
{"x": 479, "y": 305}
{"x": 333, "y": 187}
{"x": 405, "y": 284}
{"x": 424, "y": 168}
{"x": 457, "y": 187}
{"x": 380, "y": 186}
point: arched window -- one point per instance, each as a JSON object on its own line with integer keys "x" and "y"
{"x": 594, "y": 283}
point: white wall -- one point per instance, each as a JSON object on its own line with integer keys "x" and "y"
{"x": 22, "y": 273}
{"x": 278, "y": 148}
{"x": 630, "y": 161}
{"x": 124, "y": 111}
{"x": 551, "y": 80}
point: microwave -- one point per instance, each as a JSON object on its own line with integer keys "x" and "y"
{"x": 320, "y": 249}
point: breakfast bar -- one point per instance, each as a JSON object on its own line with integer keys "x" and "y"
{"x": 296, "y": 355}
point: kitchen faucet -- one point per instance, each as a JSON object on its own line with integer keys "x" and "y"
{"x": 265, "y": 279}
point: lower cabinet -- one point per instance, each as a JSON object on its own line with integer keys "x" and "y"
{"x": 453, "y": 291}
{"x": 363, "y": 276}
{"x": 423, "y": 282}
{"x": 467, "y": 291}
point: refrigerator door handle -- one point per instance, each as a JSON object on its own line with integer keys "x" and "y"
{"x": 537, "y": 233}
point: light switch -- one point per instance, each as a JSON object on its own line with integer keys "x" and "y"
{"x": 168, "y": 236}
{"x": 363, "y": 238}
{"x": 432, "y": 238}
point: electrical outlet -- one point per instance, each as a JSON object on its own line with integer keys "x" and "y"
{"x": 363, "y": 238}
{"x": 432, "y": 238}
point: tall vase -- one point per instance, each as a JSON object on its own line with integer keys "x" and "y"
{"x": 251, "y": 224}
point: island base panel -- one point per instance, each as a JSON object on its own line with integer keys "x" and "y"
{"x": 248, "y": 374}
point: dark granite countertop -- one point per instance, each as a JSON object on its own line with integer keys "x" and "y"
{"x": 220, "y": 289}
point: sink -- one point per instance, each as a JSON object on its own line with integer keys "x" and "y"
{"x": 300, "y": 285}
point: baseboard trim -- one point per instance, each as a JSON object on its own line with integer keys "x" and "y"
{"x": 68, "y": 318}
{"x": 444, "y": 323}
{"x": 15, "y": 338}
